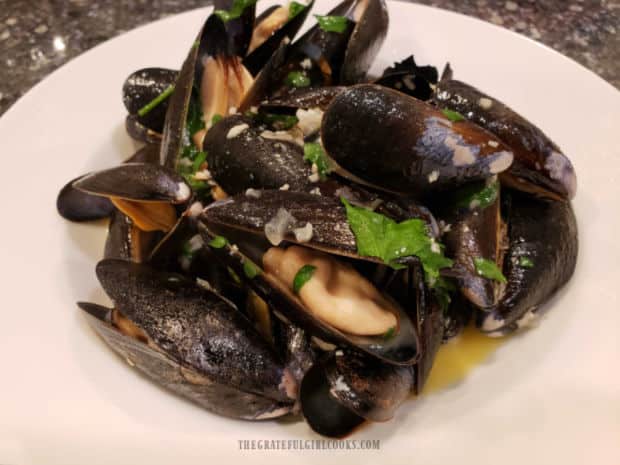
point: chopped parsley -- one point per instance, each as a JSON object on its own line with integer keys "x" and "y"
{"x": 378, "y": 236}
{"x": 526, "y": 262}
{"x": 302, "y": 277}
{"x": 250, "y": 269}
{"x": 200, "y": 158}
{"x": 235, "y": 277}
{"x": 333, "y": 23}
{"x": 475, "y": 196}
{"x": 313, "y": 152}
{"x": 389, "y": 334}
{"x": 236, "y": 10}
{"x": 443, "y": 289}
{"x": 195, "y": 119}
{"x": 217, "y": 117}
{"x": 294, "y": 9}
{"x": 218, "y": 242}
{"x": 297, "y": 79}
{"x": 278, "y": 122}
{"x": 488, "y": 269}
{"x": 156, "y": 101}
{"x": 452, "y": 115}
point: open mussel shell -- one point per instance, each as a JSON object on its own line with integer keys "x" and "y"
{"x": 400, "y": 144}
{"x": 475, "y": 231}
{"x": 371, "y": 26}
{"x": 136, "y": 181}
{"x": 173, "y": 142}
{"x": 242, "y": 154}
{"x": 191, "y": 341}
{"x": 314, "y": 97}
{"x": 407, "y": 77}
{"x": 140, "y": 132}
{"x": 539, "y": 166}
{"x": 242, "y": 220}
{"x": 238, "y": 30}
{"x": 75, "y": 205}
{"x": 145, "y": 192}
{"x": 431, "y": 326}
{"x": 142, "y": 87}
{"x": 277, "y": 31}
{"x": 541, "y": 258}
{"x": 348, "y": 387}
{"x": 125, "y": 241}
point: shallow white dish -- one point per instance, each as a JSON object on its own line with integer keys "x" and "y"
{"x": 551, "y": 396}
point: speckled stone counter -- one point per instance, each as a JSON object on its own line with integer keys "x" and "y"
{"x": 38, "y": 36}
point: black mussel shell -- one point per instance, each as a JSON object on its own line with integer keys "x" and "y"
{"x": 241, "y": 155}
{"x": 400, "y": 144}
{"x": 257, "y": 58}
{"x": 205, "y": 341}
{"x": 539, "y": 166}
{"x": 541, "y": 258}
{"x": 348, "y": 387}
{"x": 136, "y": 181}
{"x": 142, "y": 87}
{"x": 75, "y": 205}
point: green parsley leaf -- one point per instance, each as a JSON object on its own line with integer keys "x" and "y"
{"x": 453, "y": 116}
{"x": 217, "y": 117}
{"x": 475, "y": 196}
{"x": 313, "y": 152}
{"x": 378, "y": 236}
{"x": 294, "y": 9}
{"x": 302, "y": 277}
{"x": 489, "y": 270}
{"x": 186, "y": 250}
{"x": 218, "y": 242}
{"x": 195, "y": 121}
{"x": 389, "y": 334}
{"x": 297, "y": 79}
{"x": 235, "y": 277}
{"x": 333, "y": 23}
{"x": 250, "y": 269}
{"x": 526, "y": 262}
{"x": 278, "y": 122}
{"x": 200, "y": 158}
{"x": 236, "y": 10}
{"x": 156, "y": 101}
{"x": 443, "y": 290}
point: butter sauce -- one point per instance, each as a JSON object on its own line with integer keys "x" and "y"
{"x": 457, "y": 358}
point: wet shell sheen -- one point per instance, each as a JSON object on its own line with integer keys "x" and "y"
{"x": 401, "y": 144}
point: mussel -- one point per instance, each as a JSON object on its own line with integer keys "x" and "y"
{"x": 317, "y": 233}
{"x": 400, "y": 144}
{"x": 540, "y": 259}
{"x": 273, "y": 249}
{"x": 348, "y": 387}
{"x": 191, "y": 341}
{"x": 539, "y": 166}
{"x": 142, "y": 91}
{"x": 145, "y": 192}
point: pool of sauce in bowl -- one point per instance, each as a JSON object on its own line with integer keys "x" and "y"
{"x": 457, "y": 358}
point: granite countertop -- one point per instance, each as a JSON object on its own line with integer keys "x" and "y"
{"x": 38, "y": 37}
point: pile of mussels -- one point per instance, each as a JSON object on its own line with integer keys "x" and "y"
{"x": 298, "y": 236}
